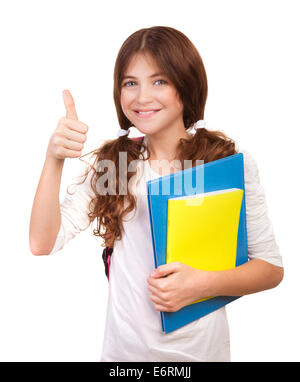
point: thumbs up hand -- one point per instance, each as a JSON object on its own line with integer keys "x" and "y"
{"x": 68, "y": 138}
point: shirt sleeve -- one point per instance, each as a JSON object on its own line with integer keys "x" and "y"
{"x": 260, "y": 235}
{"x": 74, "y": 212}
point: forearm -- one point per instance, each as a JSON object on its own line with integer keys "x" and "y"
{"x": 254, "y": 276}
{"x": 45, "y": 215}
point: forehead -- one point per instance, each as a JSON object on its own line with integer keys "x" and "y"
{"x": 141, "y": 62}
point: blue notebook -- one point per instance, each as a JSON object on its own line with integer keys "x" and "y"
{"x": 221, "y": 174}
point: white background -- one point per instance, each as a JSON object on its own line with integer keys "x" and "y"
{"x": 53, "y": 308}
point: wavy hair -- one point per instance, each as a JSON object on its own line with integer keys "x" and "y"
{"x": 178, "y": 58}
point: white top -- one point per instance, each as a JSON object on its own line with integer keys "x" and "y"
{"x": 206, "y": 339}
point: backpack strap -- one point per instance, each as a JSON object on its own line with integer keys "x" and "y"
{"x": 106, "y": 254}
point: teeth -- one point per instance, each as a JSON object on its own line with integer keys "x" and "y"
{"x": 146, "y": 112}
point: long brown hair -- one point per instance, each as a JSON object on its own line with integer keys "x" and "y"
{"x": 178, "y": 58}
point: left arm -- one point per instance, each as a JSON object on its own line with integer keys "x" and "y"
{"x": 184, "y": 284}
{"x": 254, "y": 276}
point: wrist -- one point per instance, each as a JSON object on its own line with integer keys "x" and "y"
{"x": 212, "y": 284}
{"x": 52, "y": 160}
{"x": 207, "y": 284}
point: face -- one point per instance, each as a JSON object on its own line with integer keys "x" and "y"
{"x": 143, "y": 90}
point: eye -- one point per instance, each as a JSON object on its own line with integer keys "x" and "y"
{"x": 164, "y": 82}
{"x": 129, "y": 82}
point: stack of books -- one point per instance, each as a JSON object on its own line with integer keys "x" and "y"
{"x": 203, "y": 226}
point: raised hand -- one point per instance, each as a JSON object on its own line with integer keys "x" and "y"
{"x": 68, "y": 138}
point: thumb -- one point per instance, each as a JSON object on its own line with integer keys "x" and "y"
{"x": 164, "y": 270}
{"x": 69, "y": 105}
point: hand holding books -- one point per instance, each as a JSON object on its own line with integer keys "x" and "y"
{"x": 176, "y": 285}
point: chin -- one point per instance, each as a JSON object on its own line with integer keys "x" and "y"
{"x": 149, "y": 129}
{"x": 145, "y": 130}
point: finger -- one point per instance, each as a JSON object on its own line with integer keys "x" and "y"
{"x": 71, "y": 145}
{"x": 75, "y": 125}
{"x": 158, "y": 286}
{"x": 166, "y": 269}
{"x": 160, "y": 308}
{"x": 153, "y": 290}
{"x": 156, "y": 300}
{"x": 152, "y": 281}
{"x": 69, "y": 105}
{"x": 73, "y": 135}
{"x": 71, "y": 153}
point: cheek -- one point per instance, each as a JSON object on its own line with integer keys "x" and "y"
{"x": 126, "y": 99}
{"x": 123, "y": 100}
{"x": 170, "y": 98}
{"x": 126, "y": 102}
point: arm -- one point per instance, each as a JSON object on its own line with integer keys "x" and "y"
{"x": 255, "y": 276}
{"x": 73, "y": 214}
{"x": 66, "y": 142}
{"x": 184, "y": 284}
{"x": 74, "y": 211}
{"x": 45, "y": 214}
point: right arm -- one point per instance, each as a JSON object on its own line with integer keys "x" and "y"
{"x": 45, "y": 215}
{"x": 66, "y": 142}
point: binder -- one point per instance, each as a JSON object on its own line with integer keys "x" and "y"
{"x": 218, "y": 178}
{"x": 202, "y": 230}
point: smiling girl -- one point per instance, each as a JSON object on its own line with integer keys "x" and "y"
{"x": 160, "y": 88}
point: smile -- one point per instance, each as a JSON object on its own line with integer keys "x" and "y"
{"x": 146, "y": 114}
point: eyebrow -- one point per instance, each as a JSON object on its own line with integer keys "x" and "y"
{"x": 153, "y": 75}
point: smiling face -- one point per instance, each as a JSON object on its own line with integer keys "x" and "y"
{"x": 145, "y": 88}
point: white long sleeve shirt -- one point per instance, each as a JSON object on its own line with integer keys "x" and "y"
{"x": 133, "y": 326}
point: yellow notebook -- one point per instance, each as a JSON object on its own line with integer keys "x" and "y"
{"x": 202, "y": 229}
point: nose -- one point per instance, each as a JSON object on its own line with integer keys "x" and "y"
{"x": 144, "y": 94}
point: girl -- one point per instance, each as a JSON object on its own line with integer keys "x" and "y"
{"x": 160, "y": 87}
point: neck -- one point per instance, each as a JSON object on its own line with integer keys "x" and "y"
{"x": 163, "y": 145}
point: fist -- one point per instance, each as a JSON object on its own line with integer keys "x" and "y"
{"x": 68, "y": 138}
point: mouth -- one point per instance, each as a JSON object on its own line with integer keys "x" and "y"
{"x": 146, "y": 113}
